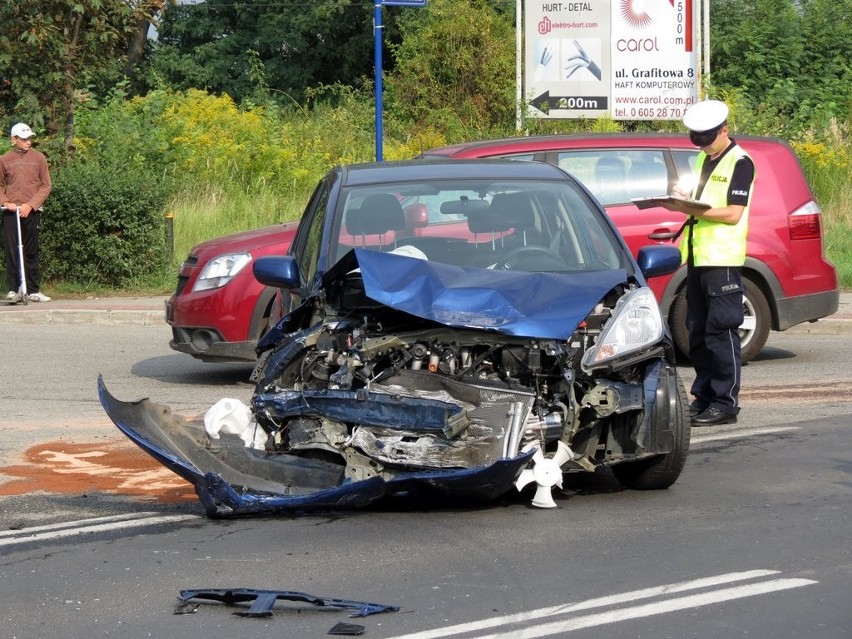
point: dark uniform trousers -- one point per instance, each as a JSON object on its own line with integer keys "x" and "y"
{"x": 714, "y": 298}
{"x": 29, "y": 229}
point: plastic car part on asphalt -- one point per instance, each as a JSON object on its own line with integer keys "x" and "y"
{"x": 263, "y": 601}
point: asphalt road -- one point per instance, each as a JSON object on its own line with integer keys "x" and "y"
{"x": 753, "y": 540}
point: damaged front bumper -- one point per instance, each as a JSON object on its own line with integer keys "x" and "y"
{"x": 238, "y": 480}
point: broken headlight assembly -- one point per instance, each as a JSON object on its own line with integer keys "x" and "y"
{"x": 635, "y": 326}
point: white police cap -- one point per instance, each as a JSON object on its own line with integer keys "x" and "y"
{"x": 705, "y": 115}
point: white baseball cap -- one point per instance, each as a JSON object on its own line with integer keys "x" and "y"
{"x": 21, "y": 130}
{"x": 705, "y": 115}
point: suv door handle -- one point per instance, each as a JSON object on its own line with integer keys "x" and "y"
{"x": 662, "y": 235}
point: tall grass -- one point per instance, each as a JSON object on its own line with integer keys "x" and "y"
{"x": 826, "y": 157}
{"x": 247, "y": 169}
{"x": 210, "y": 211}
{"x": 837, "y": 223}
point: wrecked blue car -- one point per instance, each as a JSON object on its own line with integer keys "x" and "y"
{"x": 461, "y": 328}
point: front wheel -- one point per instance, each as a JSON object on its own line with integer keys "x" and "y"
{"x": 671, "y": 411}
{"x": 753, "y": 332}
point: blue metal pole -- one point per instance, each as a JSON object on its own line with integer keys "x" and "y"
{"x": 377, "y": 40}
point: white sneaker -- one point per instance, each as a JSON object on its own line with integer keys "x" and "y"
{"x": 12, "y": 296}
{"x": 38, "y": 297}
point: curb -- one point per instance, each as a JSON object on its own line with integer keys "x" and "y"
{"x": 832, "y": 325}
{"x": 104, "y": 317}
{"x": 117, "y": 311}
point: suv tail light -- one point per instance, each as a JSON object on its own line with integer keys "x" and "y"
{"x": 804, "y": 222}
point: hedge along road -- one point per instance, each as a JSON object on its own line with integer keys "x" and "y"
{"x": 58, "y": 440}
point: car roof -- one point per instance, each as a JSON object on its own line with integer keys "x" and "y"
{"x": 442, "y": 168}
{"x": 539, "y": 143}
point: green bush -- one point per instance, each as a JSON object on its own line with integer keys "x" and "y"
{"x": 104, "y": 225}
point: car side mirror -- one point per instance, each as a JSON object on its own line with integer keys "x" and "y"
{"x": 280, "y": 271}
{"x": 658, "y": 259}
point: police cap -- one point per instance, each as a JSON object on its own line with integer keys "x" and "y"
{"x": 705, "y": 115}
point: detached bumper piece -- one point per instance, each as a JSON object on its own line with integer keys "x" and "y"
{"x": 264, "y": 600}
{"x": 232, "y": 480}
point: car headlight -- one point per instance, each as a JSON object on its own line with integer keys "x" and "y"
{"x": 636, "y": 323}
{"x": 221, "y": 270}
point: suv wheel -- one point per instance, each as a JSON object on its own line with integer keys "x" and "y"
{"x": 754, "y": 330}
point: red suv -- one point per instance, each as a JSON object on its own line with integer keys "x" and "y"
{"x": 219, "y": 310}
{"x": 787, "y": 278}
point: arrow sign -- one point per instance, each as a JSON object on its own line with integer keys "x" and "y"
{"x": 546, "y": 102}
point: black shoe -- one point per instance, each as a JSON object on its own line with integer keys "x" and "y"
{"x": 696, "y": 407}
{"x": 713, "y": 417}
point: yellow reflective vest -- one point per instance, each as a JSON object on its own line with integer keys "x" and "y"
{"x": 717, "y": 243}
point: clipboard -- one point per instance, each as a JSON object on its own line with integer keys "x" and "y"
{"x": 671, "y": 203}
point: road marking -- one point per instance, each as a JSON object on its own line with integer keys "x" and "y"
{"x": 88, "y": 526}
{"x": 735, "y": 434}
{"x": 622, "y": 614}
{"x": 647, "y": 610}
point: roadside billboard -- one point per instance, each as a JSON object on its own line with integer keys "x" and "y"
{"x": 626, "y": 59}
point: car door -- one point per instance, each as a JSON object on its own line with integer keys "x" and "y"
{"x": 618, "y": 175}
{"x": 307, "y": 245}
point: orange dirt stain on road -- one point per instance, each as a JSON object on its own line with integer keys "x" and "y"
{"x": 73, "y": 468}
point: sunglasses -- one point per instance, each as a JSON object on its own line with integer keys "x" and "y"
{"x": 704, "y": 138}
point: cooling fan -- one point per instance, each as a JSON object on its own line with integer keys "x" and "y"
{"x": 545, "y": 471}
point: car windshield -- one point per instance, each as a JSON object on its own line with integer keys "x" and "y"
{"x": 534, "y": 226}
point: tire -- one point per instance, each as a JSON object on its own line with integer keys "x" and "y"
{"x": 661, "y": 471}
{"x": 261, "y": 317}
{"x": 265, "y": 323}
{"x": 754, "y": 330}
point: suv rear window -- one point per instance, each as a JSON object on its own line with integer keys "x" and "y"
{"x": 618, "y": 175}
{"x": 685, "y": 165}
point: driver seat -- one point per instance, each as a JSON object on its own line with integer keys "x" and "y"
{"x": 515, "y": 211}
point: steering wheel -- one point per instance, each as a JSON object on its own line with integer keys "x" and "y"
{"x": 534, "y": 254}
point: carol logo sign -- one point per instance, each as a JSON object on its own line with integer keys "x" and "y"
{"x": 583, "y": 59}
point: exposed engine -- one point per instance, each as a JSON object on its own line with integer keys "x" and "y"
{"x": 495, "y": 394}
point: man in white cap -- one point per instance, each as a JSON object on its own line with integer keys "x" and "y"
{"x": 714, "y": 250}
{"x": 24, "y": 186}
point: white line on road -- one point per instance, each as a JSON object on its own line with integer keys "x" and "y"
{"x": 736, "y": 434}
{"x": 647, "y": 610}
{"x": 87, "y": 526}
{"x": 74, "y": 524}
{"x": 623, "y": 598}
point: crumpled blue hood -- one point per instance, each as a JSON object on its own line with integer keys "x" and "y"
{"x": 542, "y": 305}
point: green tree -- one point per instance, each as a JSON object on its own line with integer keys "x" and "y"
{"x": 455, "y": 67}
{"x": 754, "y": 44}
{"x": 826, "y": 77}
{"x": 210, "y": 45}
{"x": 790, "y": 61}
{"x": 47, "y": 48}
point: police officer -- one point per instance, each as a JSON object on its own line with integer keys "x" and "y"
{"x": 714, "y": 249}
